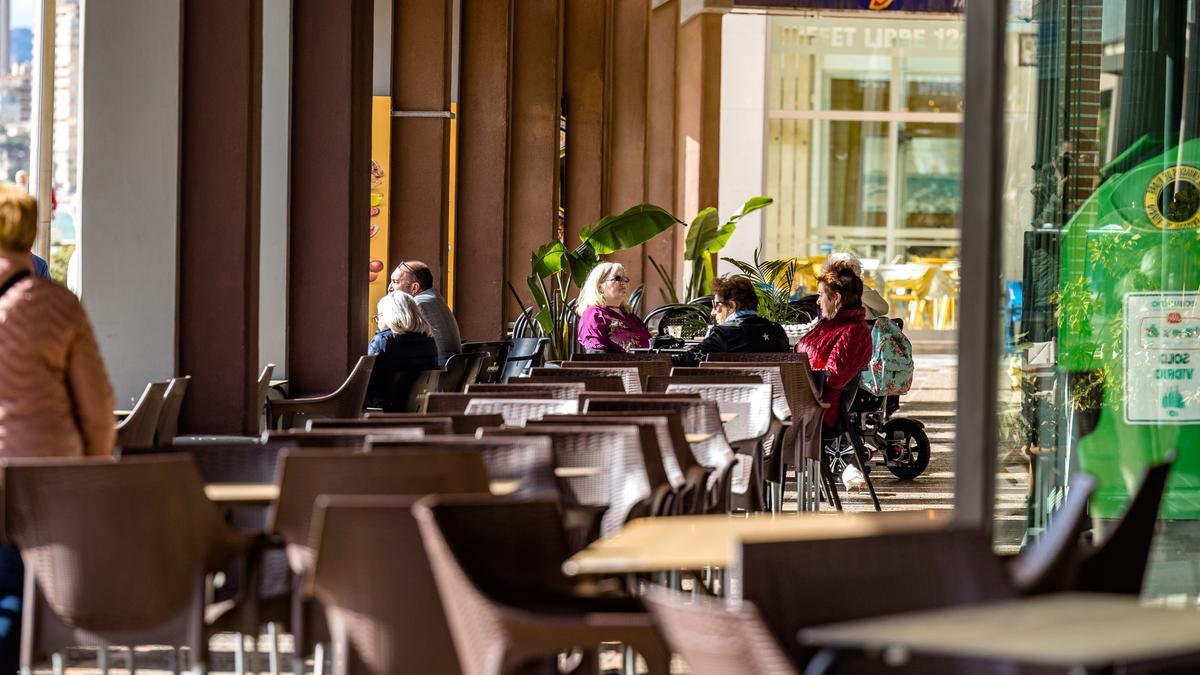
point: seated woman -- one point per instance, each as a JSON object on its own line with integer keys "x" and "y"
{"x": 738, "y": 327}
{"x": 404, "y": 346}
{"x": 871, "y": 299}
{"x": 606, "y": 322}
{"x": 840, "y": 344}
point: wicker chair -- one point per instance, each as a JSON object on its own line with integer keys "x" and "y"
{"x": 669, "y": 436}
{"x": 305, "y": 475}
{"x": 103, "y": 569}
{"x": 459, "y": 424}
{"x": 645, "y": 369}
{"x": 560, "y": 390}
{"x": 372, "y": 577}
{"x": 716, "y": 637}
{"x": 527, "y": 459}
{"x": 168, "y": 416}
{"x": 692, "y": 319}
{"x": 347, "y": 401}
{"x": 428, "y": 424}
{"x": 347, "y": 439}
{"x": 658, "y": 384}
{"x": 609, "y": 383}
{"x": 456, "y": 404}
{"x": 517, "y": 412}
{"x": 618, "y": 356}
{"x": 497, "y": 564}
{"x": 631, "y": 380}
{"x": 138, "y": 429}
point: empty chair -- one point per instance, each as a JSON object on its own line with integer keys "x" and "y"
{"x": 456, "y": 404}
{"x": 459, "y": 424}
{"x": 461, "y": 370}
{"x": 525, "y": 353}
{"x": 610, "y": 383}
{"x": 337, "y": 438}
{"x": 645, "y": 368}
{"x": 631, "y": 377}
{"x": 494, "y": 352}
{"x": 669, "y": 435}
{"x": 758, "y": 357}
{"x": 138, "y": 429}
{"x": 428, "y": 424}
{"x": 372, "y": 577}
{"x": 347, "y": 401}
{"x": 526, "y": 459}
{"x": 168, "y": 416}
{"x": 102, "y": 569}
{"x": 1051, "y": 563}
{"x": 716, "y": 637}
{"x": 498, "y": 568}
{"x": 563, "y": 390}
{"x": 631, "y": 356}
{"x": 517, "y": 411}
{"x": 658, "y": 383}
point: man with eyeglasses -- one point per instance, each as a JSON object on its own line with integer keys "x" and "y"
{"x": 415, "y": 278}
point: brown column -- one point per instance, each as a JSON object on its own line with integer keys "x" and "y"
{"x": 627, "y": 117}
{"x": 584, "y": 56}
{"x": 420, "y": 145}
{"x": 698, "y": 116}
{"x": 330, "y": 191}
{"x": 219, "y": 214}
{"x": 481, "y": 223}
{"x": 660, "y": 143}
{"x": 533, "y": 138}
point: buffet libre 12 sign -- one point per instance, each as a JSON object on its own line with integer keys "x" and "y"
{"x": 1162, "y": 358}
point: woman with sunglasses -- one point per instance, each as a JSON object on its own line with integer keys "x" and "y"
{"x": 404, "y": 347}
{"x": 606, "y": 322}
{"x": 737, "y": 327}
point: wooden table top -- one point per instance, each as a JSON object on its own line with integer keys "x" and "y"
{"x": 728, "y": 417}
{"x": 262, "y": 494}
{"x": 578, "y": 471}
{"x": 1065, "y": 629}
{"x": 696, "y": 542}
{"x": 698, "y": 438}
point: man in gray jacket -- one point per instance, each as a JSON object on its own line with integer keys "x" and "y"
{"x": 413, "y": 277}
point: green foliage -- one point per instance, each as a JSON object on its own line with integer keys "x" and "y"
{"x": 669, "y": 296}
{"x": 705, "y": 239}
{"x": 60, "y": 256}
{"x": 773, "y": 283}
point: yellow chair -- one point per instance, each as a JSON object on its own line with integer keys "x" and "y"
{"x": 915, "y": 294}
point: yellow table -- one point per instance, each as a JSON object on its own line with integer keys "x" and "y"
{"x": 694, "y": 542}
{"x": 1073, "y": 630}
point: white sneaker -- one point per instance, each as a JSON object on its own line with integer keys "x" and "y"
{"x": 853, "y": 479}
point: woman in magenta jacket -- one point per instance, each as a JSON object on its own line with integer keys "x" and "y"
{"x": 840, "y": 344}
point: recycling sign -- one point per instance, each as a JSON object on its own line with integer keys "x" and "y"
{"x": 1162, "y": 358}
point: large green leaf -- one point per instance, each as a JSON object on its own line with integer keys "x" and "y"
{"x": 548, "y": 259}
{"x": 701, "y": 232}
{"x": 582, "y": 260}
{"x": 753, "y": 204}
{"x": 634, "y": 227}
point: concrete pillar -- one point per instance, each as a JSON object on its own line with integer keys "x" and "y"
{"x": 330, "y": 191}
{"x": 129, "y": 187}
{"x": 661, "y": 162}
{"x": 273, "y": 197}
{"x": 219, "y": 215}
{"x": 628, "y": 57}
{"x": 585, "y": 49}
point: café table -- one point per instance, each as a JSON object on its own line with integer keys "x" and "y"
{"x": 648, "y": 545}
{"x": 262, "y": 494}
{"x": 698, "y": 438}
{"x": 1086, "y": 632}
{"x": 578, "y": 471}
{"x": 728, "y": 417}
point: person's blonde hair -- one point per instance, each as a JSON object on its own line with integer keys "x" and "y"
{"x": 18, "y": 219}
{"x": 590, "y": 295}
{"x": 399, "y": 311}
{"x": 843, "y": 258}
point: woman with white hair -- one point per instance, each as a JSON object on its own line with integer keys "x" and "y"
{"x": 873, "y": 301}
{"x": 403, "y": 346}
{"x": 606, "y": 322}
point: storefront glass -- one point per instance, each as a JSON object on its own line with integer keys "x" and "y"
{"x": 1101, "y": 270}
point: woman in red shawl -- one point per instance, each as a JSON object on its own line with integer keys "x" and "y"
{"x": 840, "y": 344}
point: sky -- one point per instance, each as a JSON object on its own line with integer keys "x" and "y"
{"x": 22, "y": 13}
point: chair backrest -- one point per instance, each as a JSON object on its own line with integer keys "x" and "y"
{"x": 648, "y": 430}
{"x": 562, "y": 390}
{"x": 1118, "y": 564}
{"x": 428, "y": 424}
{"x": 798, "y": 584}
{"x": 456, "y": 404}
{"x": 373, "y": 579}
{"x": 94, "y": 548}
{"x": 349, "y": 439}
{"x": 1050, "y": 564}
{"x": 609, "y": 383}
{"x": 495, "y": 353}
{"x": 615, "y": 356}
{"x": 693, "y": 319}
{"x": 352, "y": 395}
{"x": 631, "y": 377}
{"x": 518, "y": 411}
{"x": 261, "y": 386}
{"x": 422, "y": 384}
{"x": 527, "y": 458}
{"x": 490, "y": 552}
{"x": 615, "y": 452}
{"x": 307, "y": 474}
{"x": 459, "y": 424}
{"x": 658, "y": 384}
{"x": 168, "y": 416}
{"x": 716, "y": 637}
{"x": 758, "y": 357}
{"x": 138, "y": 429}
{"x": 698, "y": 416}
{"x": 772, "y": 374}
{"x": 525, "y": 353}
{"x": 669, "y": 434}
{"x": 461, "y": 370}
{"x": 644, "y": 368}
{"x": 749, "y": 405}
{"x": 241, "y": 461}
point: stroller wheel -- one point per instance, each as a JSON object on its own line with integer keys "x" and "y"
{"x": 905, "y": 447}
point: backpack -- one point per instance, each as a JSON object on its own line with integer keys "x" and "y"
{"x": 890, "y": 370}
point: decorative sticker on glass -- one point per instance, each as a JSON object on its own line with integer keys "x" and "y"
{"x": 1162, "y": 352}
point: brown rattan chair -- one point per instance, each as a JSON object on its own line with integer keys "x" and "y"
{"x": 346, "y": 439}
{"x": 631, "y": 377}
{"x": 428, "y": 424}
{"x": 497, "y": 564}
{"x": 168, "y": 416}
{"x": 305, "y": 475}
{"x": 372, "y": 577}
{"x": 598, "y": 383}
{"x": 758, "y": 357}
{"x": 527, "y": 459}
{"x": 456, "y": 404}
{"x": 518, "y": 411}
{"x": 104, "y": 570}
{"x": 347, "y": 401}
{"x": 716, "y": 637}
{"x": 632, "y": 356}
{"x": 645, "y": 368}
{"x": 138, "y": 429}
{"x": 459, "y": 424}
{"x": 1050, "y": 564}
{"x": 563, "y": 390}
{"x": 658, "y": 384}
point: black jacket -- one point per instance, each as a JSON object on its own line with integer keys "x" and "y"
{"x": 400, "y": 358}
{"x": 750, "y": 333}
